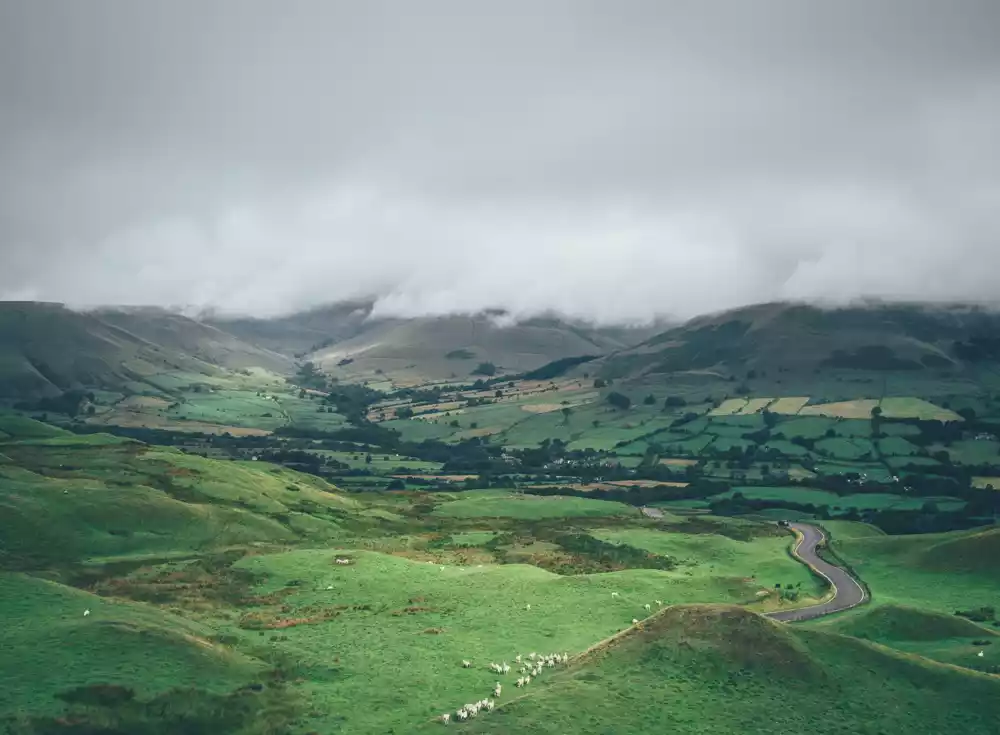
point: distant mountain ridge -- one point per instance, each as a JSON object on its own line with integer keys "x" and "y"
{"x": 47, "y": 348}
{"x": 801, "y": 337}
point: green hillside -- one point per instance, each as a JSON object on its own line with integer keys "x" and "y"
{"x": 66, "y": 498}
{"x": 708, "y": 669}
{"x": 418, "y": 350}
{"x": 799, "y": 337}
{"x": 46, "y": 349}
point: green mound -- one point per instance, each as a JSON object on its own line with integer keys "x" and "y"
{"x": 70, "y": 498}
{"x": 894, "y": 623}
{"x": 974, "y": 552}
{"x": 723, "y": 670}
{"x": 50, "y": 646}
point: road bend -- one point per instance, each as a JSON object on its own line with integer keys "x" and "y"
{"x": 847, "y": 591}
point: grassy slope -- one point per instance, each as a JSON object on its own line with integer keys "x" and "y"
{"x": 764, "y": 558}
{"x": 941, "y": 572}
{"x": 946, "y": 638}
{"x": 704, "y": 669}
{"x": 457, "y": 612}
{"x": 67, "y": 498}
{"x": 49, "y": 646}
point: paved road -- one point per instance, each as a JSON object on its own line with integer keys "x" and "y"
{"x": 848, "y": 592}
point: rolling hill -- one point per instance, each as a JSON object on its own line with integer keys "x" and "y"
{"x": 439, "y": 348}
{"x": 67, "y": 497}
{"x": 800, "y": 338}
{"x": 46, "y": 349}
{"x": 718, "y": 669}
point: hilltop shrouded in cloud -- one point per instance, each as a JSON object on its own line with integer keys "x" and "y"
{"x": 607, "y": 160}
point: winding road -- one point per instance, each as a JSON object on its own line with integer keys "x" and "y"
{"x": 847, "y": 591}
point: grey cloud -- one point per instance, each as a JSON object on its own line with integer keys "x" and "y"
{"x": 611, "y": 160}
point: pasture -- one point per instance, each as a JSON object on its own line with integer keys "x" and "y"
{"x": 477, "y": 504}
{"x": 382, "y": 616}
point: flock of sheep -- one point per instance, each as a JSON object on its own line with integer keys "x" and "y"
{"x": 530, "y": 666}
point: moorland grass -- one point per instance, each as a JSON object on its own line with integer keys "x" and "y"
{"x": 704, "y": 669}
{"x": 50, "y": 646}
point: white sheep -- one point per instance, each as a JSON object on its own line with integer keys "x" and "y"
{"x": 635, "y": 621}
{"x": 659, "y": 602}
{"x": 980, "y": 654}
{"x": 550, "y": 663}
{"x": 462, "y": 714}
{"x": 506, "y": 668}
{"x": 527, "y": 680}
{"x": 532, "y": 655}
{"x": 466, "y": 664}
{"x": 528, "y": 606}
{"x": 520, "y": 682}
{"x": 446, "y": 717}
{"x": 614, "y": 594}
{"x": 86, "y": 612}
{"x": 517, "y": 658}
{"x": 490, "y": 704}
{"x": 646, "y": 606}
{"x": 497, "y": 689}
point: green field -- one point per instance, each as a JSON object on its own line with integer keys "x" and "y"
{"x": 765, "y": 559}
{"x": 492, "y": 505}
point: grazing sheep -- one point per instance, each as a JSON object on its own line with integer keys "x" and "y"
{"x": 520, "y": 682}
{"x": 659, "y": 602}
{"x": 497, "y": 689}
{"x": 446, "y": 717}
{"x": 614, "y": 594}
{"x": 506, "y": 667}
{"x": 517, "y": 658}
{"x": 462, "y": 714}
{"x": 490, "y": 704}
{"x": 646, "y": 606}
{"x": 528, "y": 606}
{"x": 532, "y": 655}
{"x": 86, "y": 612}
{"x": 466, "y": 664}
{"x": 527, "y": 680}
{"x": 980, "y": 654}
{"x": 635, "y": 621}
{"x": 550, "y": 663}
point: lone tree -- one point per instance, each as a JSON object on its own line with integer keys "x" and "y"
{"x": 619, "y": 400}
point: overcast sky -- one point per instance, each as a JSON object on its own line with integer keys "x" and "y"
{"x": 609, "y": 159}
